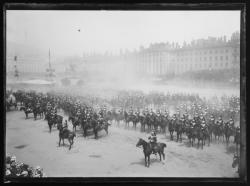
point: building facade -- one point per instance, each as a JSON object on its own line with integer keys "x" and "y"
{"x": 203, "y": 54}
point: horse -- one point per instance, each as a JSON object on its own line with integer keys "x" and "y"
{"x": 26, "y": 111}
{"x": 190, "y": 135}
{"x": 179, "y": 128}
{"x": 218, "y": 131}
{"x": 228, "y": 131}
{"x": 37, "y": 111}
{"x": 99, "y": 126}
{"x": 237, "y": 140}
{"x": 147, "y": 150}
{"x": 75, "y": 122}
{"x": 66, "y": 134}
{"x": 171, "y": 128}
{"x": 118, "y": 118}
{"x": 129, "y": 118}
{"x": 200, "y": 136}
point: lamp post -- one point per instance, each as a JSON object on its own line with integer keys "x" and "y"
{"x": 50, "y": 70}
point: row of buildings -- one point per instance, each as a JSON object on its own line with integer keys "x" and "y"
{"x": 203, "y": 54}
{"x": 158, "y": 59}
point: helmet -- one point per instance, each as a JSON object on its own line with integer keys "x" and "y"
{"x": 7, "y": 172}
{"x": 13, "y": 159}
{"x": 38, "y": 168}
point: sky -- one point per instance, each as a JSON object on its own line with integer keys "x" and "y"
{"x": 102, "y": 31}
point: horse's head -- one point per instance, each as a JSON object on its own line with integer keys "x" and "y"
{"x": 140, "y": 142}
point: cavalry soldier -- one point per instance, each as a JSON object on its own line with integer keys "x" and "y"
{"x": 158, "y": 114}
{"x": 185, "y": 115}
{"x": 151, "y": 112}
{"x": 78, "y": 114}
{"x": 211, "y": 120}
{"x": 130, "y": 111}
{"x": 220, "y": 122}
{"x": 178, "y": 112}
{"x": 203, "y": 125}
{"x": 182, "y": 121}
{"x": 202, "y": 118}
{"x": 192, "y": 124}
{"x": 231, "y": 123}
{"x": 65, "y": 125}
{"x": 137, "y": 113}
{"x": 153, "y": 140}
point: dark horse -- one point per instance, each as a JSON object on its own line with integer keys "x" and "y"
{"x": 129, "y": 118}
{"x": 179, "y": 128}
{"x": 38, "y": 111}
{"x": 54, "y": 120}
{"x": 147, "y": 150}
{"x": 75, "y": 122}
{"x": 171, "y": 128}
{"x": 26, "y": 111}
{"x": 66, "y": 134}
{"x": 100, "y": 125}
{"x": 228, "y": 131}
{"x": 96, "y": 125}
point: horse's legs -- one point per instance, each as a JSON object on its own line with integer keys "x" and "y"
{"x": 63, "y": 141}
{"x": 159, "y": 155}
{"x": 145, "y": 160}
{"x": 148, "y": 160}
{"x": 70, "y": 143}
{"x": 59, "y": 141}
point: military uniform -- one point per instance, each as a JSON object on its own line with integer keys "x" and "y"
{"x": 153, "y": 140}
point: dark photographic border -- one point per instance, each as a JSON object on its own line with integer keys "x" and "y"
{"x": 148, "y": 7}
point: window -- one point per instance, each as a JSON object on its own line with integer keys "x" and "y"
{"x": 205, "y": 52}
{"x": 226, "y": 57}
{"x": 216, "y": 51}
{"x": 205, "y": 59}
{"x": 210, "y": 51}
{"x": 226, "y": 50}
{"x": 221, "y": 57}
{"x": 210, "y": 58}
{"x": 226, "y": 64}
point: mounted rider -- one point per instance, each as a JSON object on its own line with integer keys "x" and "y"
{"x": 78, "y": 114}
{"x": 231, "y": 123}
{"x": 203, "y": 125}
{"x": 130, "y": 111}
{"x": 211, "y": 120}
{"x": 153, "y": 140}
{"x": 65, "y": 125}
{"x": 220, "y": 122}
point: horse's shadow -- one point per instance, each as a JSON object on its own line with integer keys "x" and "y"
{"x": 52, "y": 130}
{"x": 153, "y": 159}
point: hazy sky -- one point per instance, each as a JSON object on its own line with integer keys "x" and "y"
{"x": 111, "y": 30}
